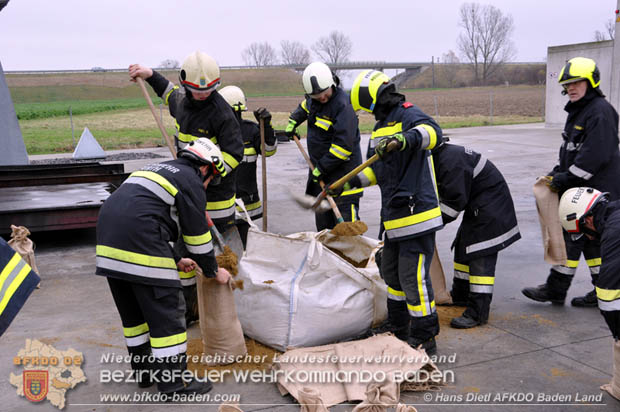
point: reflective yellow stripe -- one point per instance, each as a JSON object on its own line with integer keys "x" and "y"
{"x": 197, "y": 240}
{"x": 352, "y": 213}
{"x": 433, "y": 136}
{"x": 395, "y": 292}
{"x": 413, "y": 219}
{"x": 420, "y": 308}
{"x": 187, "y": 275}
{"x": 136, "y": 330}
{"x": 461, "y": 268}
{"x": 594, "y": 262}
{"x": 607, "y": 294}
{"x": 482, "y": 280}
{"x": 10, "y": 291}
{"x": 339, "y": 152}
{"x": 137, "y": 258}
{"x": 572, "y": 263}
{"x": 168, "y": 95}
{"x": 231, "y": 161}
{"x": 169, "y": 340}
{"x": 186, "y": 138}
{"x": 370, "y": 175}
{"x": 387, "y": 131}
{"x": 323, "y": 123}
{"x": 248, "y": 151}
{"x": 249, "y": 207}
{"x": 304, "y": 106}
{"x": 160, "y": 180}
{"x": 420, "y": 285}
{"x": 352, "y": 192}
{"x": 222, "y": 204}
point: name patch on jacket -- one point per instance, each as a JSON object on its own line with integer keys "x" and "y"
{"x": 159, "y": 166}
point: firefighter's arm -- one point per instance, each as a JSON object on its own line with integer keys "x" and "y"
{"x": 424, "y": 133}
{"x": 598, "y": 146}
{"x": 297, "y": 117}
{"x": 271, "y": 143}
{"x": 231, "y": 144}
{"x": 364, "y": 178}
{"x": 344, "y": 128}
{"x": 454, "y": 182}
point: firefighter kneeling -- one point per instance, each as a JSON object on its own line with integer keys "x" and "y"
{"x": 135, "y": 227}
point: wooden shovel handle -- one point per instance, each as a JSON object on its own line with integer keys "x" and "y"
{"x": 162, "y": 129}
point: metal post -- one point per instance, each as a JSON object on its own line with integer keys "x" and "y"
{"x": 491, "y": 106}
{"x": 72, "y": 131}
{"x": 436, "y": 106}
{"x": 161, "y": 117}
{"x": 433, "y": 70}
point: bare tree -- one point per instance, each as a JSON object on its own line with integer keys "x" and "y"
{"x": 294, "y": 52}
{"x": 259, "y": 54}
{"x": 169, "y": 64}
{"x": 450, "y": 67}
{"x": 334, "y": 48}
{"x": 610, "y": 28}
{"x": 486, "y": 41}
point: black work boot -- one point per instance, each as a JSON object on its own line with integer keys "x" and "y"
{"x": 429, "y": 345}
{"x": 541, "y": 293}
{"x": 477, "y": 312}
{"x": 141, "y": 364}
{"x": 464, "y": 322}
{"x": 423, "y": 331}
{"x": 193, "y": 386}
{"x": 588, "y": 301}
{"x": 397, "y": 321}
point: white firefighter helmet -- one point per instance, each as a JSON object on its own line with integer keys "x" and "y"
{"x": 200, "y": 72}
{"x": 317, "y": 78}
{"x": 234, "y": 97}
{"x": 202, "y": 151}
{"x": 575, "y": 205}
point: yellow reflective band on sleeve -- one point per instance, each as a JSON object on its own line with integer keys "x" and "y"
{"x": 250, "y": 206}
{"x": 572, "y": 263}
{"x": 339, "y": 152}
{"x": 304, "y": 106}
{"x": 387, "y": 131}
{"x": 248, "y": 151}
{"x": 482, "y": 280}
{"x": 231, "y": 161}
{"x": 395, "y": 292}
{"x": 607, "y": 294}
{"x": 137, "y": 258}
{"x": 185, "y": 137}
{"x": 594, "y": 262}
{"x": 187, "y": 275}
{"x": 461, "y": 268}
{"x": 323, "y": 123}
{"x": 413, "y": 219}
{"x": 197, "y": 240}
{"x": 160, "y": 180}
{"x": 9, "y": 269}
{"x": 169, "y": 340}
{"x": 135, "y": 330}
{"x": 222, "y": 204}
{"x": 352, "y": 192}
{"x": 370, "y": 175}
{"x": 167, "y": 96}
{"x": 432, "y": 133}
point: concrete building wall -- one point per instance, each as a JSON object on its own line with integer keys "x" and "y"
{"x": 601, "y": 52}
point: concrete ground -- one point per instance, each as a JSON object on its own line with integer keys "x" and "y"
{"x": 528, "y": 350}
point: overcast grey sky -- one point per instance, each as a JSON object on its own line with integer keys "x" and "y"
{"x": 80, "y": 34}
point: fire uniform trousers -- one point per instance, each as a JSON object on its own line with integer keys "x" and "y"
{"x": 410, "y": 217}
{"x": 247, "y": 189}
{"x": 334, "y": 148}
{"x": 17, "y": 281}
{"x": 589, "y": 156}
{"x": 136, "y": 224}
{"x": 467, "y": 181}
{"x": 607, "y": 222}
{"x": 212, "y": 118}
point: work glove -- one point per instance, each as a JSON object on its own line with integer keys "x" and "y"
{"x": 561, "y": 181}
{"x": 262, "y": 113}
{"x": 353, "y": 183}
{"x": 290, "y": 129}
{"x": 548, "y": 180}
{"x": 219, "y": 167}
{"x": 382, "y": 147}
{"x": 316, "y": 175}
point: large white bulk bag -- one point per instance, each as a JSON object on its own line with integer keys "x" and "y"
{"x": 298, "y": 293}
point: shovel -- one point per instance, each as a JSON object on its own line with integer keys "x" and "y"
{"x": 230, "y": 238}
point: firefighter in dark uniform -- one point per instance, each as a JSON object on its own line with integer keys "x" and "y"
{"x": 153, "y": 207}
{"x": 333, "y": 139}
{"x": 247, "y": 189}
{"x": 589, "y": 156}
{"x": 584, "y": 210}
{"x": 467, "y": 181}
{"x": 410, "y": 213}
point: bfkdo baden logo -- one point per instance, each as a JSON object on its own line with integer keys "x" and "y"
{"x": 35, "y": 385}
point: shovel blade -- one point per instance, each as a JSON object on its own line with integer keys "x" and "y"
{"x": 232, "y": 239}
{"x": 307, "y": 202}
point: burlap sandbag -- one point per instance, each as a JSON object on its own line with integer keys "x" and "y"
{"x": 219, "y": 326}
{"x": 613, "y": 388}
{"x": 438, "y": 280}
{"x": 547, "y": 203}
{"x": 21, "y": 244}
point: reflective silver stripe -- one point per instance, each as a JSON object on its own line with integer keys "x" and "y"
{"x": 199, "y": 250}
{"x": 461, "y": 275}
{"x": 374, "y": 142}
{"x": 393, "y": 296}
{"x": 169, "y": 351}
{"x": 138, "y": 270}
{"x": 222, "y": 213}
{"x": 481, "y": 163}
{"x": 228, "y": 168}
{"x": 580, "y": 172}
{"x": 188, "y": 282}
{"x": 609, "y": 306}
{"x": 413, "y": 229}
{"x": 565, "y": 270}
{"x": 426, "y": 136}
{"x": 13, "y": 274}
{"x": 595, "y": 270}
{"x": 138, "y": 340}
{"x": 480, "y": 288}
{"x": 365, "y": 181}
{"x": 424, "y": 292}
{"x": 256, "y": 211}
{"x": 153, "y": 187}
{"x": 492, "y": 242}
{"x": 249, "y": 159}
{"x": 271, "y": 147}
{"x": 166, "y": 93}
{"x": 571, "y": 147}
{"x": 448, "y": 210}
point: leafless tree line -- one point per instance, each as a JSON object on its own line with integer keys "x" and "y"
{"x": 333, "y": 48}
{"x": 608, "y": 33}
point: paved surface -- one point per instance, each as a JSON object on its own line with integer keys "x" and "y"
{"x": 527, "y": 348}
